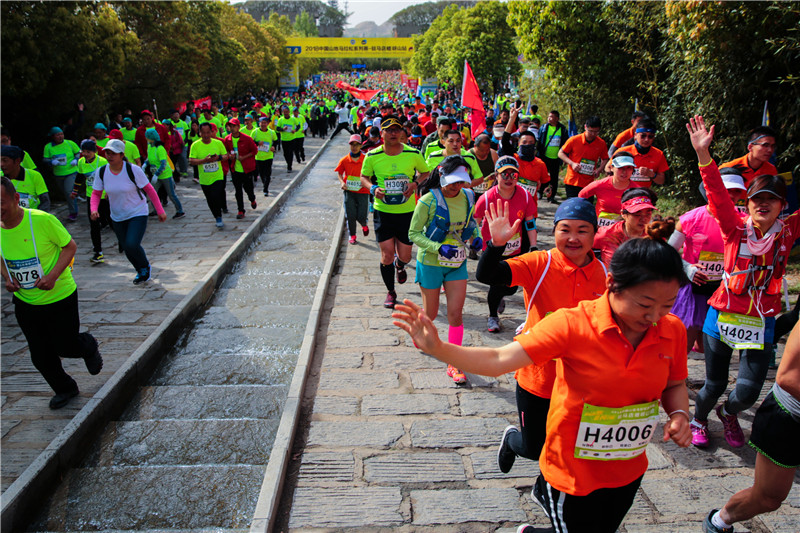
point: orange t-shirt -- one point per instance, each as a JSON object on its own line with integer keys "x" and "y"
{"x": 624, "y": 137}
{"x": 654, "y": 160}
{"x": 748, "y": 172}
{"x": 532, "y": 174}
{"x": 596, "y": 365}
{"x": 587, "y": 154}
{"x": 564, "y": 286}
{"x": 351, "y": 169}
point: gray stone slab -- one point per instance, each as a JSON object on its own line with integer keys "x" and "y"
{"x": 488, "y": 403}
{"x": 271, "y": 368}
{"x": 718, "y": 455}
{"x": 336, "y": 434}
{"x": 457, "y": 433}
{"x": 164, "y": 497}
{"x": 7, "y": 425}
{"x": 406, "y": 359}
{"x": 404, "y": 404}
{"x": 779, "y": 522}
{"x": 414, "y": 467}
{"x": 432, "y": 379}
{"x": 209, "y": 401}
{"x": 358, "y": 312}
{"x": 349, "y": 325}
{"x": 474, "y": 505}
{"x": 14, "y": 461}
{"x": 657, "y": 459}
{"x": 335, "y": 405}
{"x": 678, "y": 496}
{"x": 346, "y": 507}
{"x": 193, "y": 442}
{"x": 328, "y": 466}
{"x": 39, "y": 432}
{"x": 484, "y": 465}
{"x": 358, "y": 380}
{"x": 342, "y": 360}
{"x": 366, "y": 339}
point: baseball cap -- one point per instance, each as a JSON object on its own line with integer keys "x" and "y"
{"x": 116, "y": 146}
{"x": 765, "y": 186}
{"x": 459, "y": 174}
{"x": 146, "y": 112}
{"x": 634, "y": 205}
{"x": 390, "y": 121}
{"x": 89, "y": 144}
{"x": 152, "y": 135}
{"x": 127, "y": 119}
{"x": 115, "y": 134}
{"x": 355, "y": 138}
{"x": 234, "y": 122}
{"x": 100, "y": 126}
{"x": 55, "y": 129}
{"x": 733, "y": 181}
{"x": 623, "y": 160}
{"x": 506, "y": 162}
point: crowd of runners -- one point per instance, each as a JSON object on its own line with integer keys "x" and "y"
{"x": 612, "y": 308}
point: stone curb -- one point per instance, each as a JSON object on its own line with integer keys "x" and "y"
{"x": 19, "y": 500}
{"x": 269, "y": 497}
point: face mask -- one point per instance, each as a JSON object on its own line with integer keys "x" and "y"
{"x": 641, "y": 149}
{"x": 355, "y": 154}
{"x": 498, "y": 133}
{"x": 527, "y": 152}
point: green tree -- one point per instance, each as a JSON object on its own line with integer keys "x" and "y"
{"x": 304, "y": 26}
{"x": 423, "y": 63}
{"x": 416, "y": 19}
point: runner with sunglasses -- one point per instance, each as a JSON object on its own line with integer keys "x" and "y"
{"x": 651, "y": 164}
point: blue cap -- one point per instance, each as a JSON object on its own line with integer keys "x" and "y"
{"x": 576, "y": 209}
{"x": 9, "y": 150}
{"x": 54, "y": 130}
{"x": 127, "y": 119}
{"x": 152, "y": 135}
{"x": 100, "y": 126}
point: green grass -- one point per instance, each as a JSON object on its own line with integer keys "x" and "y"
{"x": 673, "y": 207}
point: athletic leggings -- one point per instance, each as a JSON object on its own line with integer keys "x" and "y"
{"x": 753, "y": 366}
{"x": 497, "y": 293}
{"x": 600, "y": 511}
{"x": 533, "y": 410}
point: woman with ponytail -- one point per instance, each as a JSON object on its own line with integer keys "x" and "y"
{"x": 617, "y": 357}
{"x": 743, "y": 309}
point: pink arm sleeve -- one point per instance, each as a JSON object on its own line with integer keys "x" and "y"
{"x": 94, "y": 201}
{"x": 153, "y": 195}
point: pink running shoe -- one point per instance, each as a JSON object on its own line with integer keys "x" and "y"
{"x": 699, "y": 433}
{"x": 733, "y": 431}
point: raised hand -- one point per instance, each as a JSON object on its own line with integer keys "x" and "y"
{"x": 700, "y": 136}
{"x": 498, "y": 219}
{"x": 412, "y": 319}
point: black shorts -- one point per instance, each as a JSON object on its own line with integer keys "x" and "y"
{"x": 392, "y": 226}
{"x": 776, "y": 434}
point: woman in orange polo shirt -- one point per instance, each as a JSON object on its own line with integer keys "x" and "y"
{"x": 617, "y": 357}
{"x": 552, "y": 279}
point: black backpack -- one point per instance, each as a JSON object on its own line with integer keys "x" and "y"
{"x": 129, "y": 168}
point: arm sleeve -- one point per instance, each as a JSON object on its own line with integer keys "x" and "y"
{"x": 94, "y": 201}
{"x": 505, "y": 144}
{"x": 419, "y": 221}
{"x": 153, "y": 196}
{"x": 721, "y": 205}
{"x": 492, "y": 270}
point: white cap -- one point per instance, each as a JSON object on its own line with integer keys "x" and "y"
{"x": 732, "y": 181}
{"x": 116, "y": 146}
{"x": 460, "y": 174}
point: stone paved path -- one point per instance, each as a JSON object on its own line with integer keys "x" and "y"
{"x": 391, "y": 444}
{"x": 120, "y": 315}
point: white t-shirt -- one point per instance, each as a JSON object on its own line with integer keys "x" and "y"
{"x": 123, "y": 197}
{"x": 344, "y": 115}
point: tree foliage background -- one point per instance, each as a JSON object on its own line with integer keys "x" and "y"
{"x": 721, "y": 59}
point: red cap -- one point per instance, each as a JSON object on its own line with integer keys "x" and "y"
{"x": 115, "y": 134}
{"x": 146, "y": 112}
{"x": 234, "y": 122}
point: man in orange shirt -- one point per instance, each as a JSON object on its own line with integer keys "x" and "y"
{"x": 356, "y": 196}
{"x": 651, "y": 165}
{"x": 760, "y": 148}
{"x": 626, "y": 135}
{"x": 585, "y": 156}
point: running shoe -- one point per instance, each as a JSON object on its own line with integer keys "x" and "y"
{"x": 94, "y": 363}
{"x": 178, "y": 215}
{"x": 61, "y": 399}
{"x": 266, "y": 193}
{"x": 505, "y": 455}
{"x": 253, "y": 204}
{"x": 98, "y": 258}
{"x": 391, "y": 299}
{"x": 699, "y": 433}
{"x": 240, "y": 215}
{"x": 709, "y": 527}
{"x": 526, "y": 528}
{"x": 142, "y": 276}
{"x": 72, "y": 217}
{"x": 538, "y": 497}
{"x": 733, "y": 431}
{"x": 501, "y": 306}
{"x": 458, "y": 376}
{"x": 220, "y": 225}
{"x": 473, "y": 254}
{"x": 353, "y": 239}
{"x": 494, "y": 324}
{"x": 402, "y": 275}
{"x": 365, "y": 230}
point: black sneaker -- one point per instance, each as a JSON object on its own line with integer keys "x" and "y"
{"x": 60, "y": 400}
{"x": 178, "y": 215}
{"x": 709, "y": 527}
{"x": 94, "y": 363}
{"x": 538, "y": 497}
{"x": 505, "y": 455}
{"x": 402, "y": 275}
{"x": 98, "y": 258}
{"x": 142, "y": 276}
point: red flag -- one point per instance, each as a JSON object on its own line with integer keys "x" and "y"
{"x": 471, "y": 98}
{"x": 361, "y": 94}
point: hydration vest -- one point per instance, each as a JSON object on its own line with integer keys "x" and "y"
{"x": 440, "y": 225}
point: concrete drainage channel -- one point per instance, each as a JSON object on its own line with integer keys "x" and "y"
{"x": 68, "y": 448}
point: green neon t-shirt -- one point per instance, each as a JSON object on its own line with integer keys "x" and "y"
{"x": 90, "y": 171}
{"x": 27, "y": 263}
{"x": 155, "y": 155}
{"x": 29, "y": 188}
{"x": 393, "y": 174}
{"x": 64, "y": 153}
{"x": 209, "y": 172}
{"x": 267, "y": 138}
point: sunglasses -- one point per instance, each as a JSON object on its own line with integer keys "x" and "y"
{"x": 509, "y": 175}
{"x": 648, "y": 135}
{"x": 766, "y": 145}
